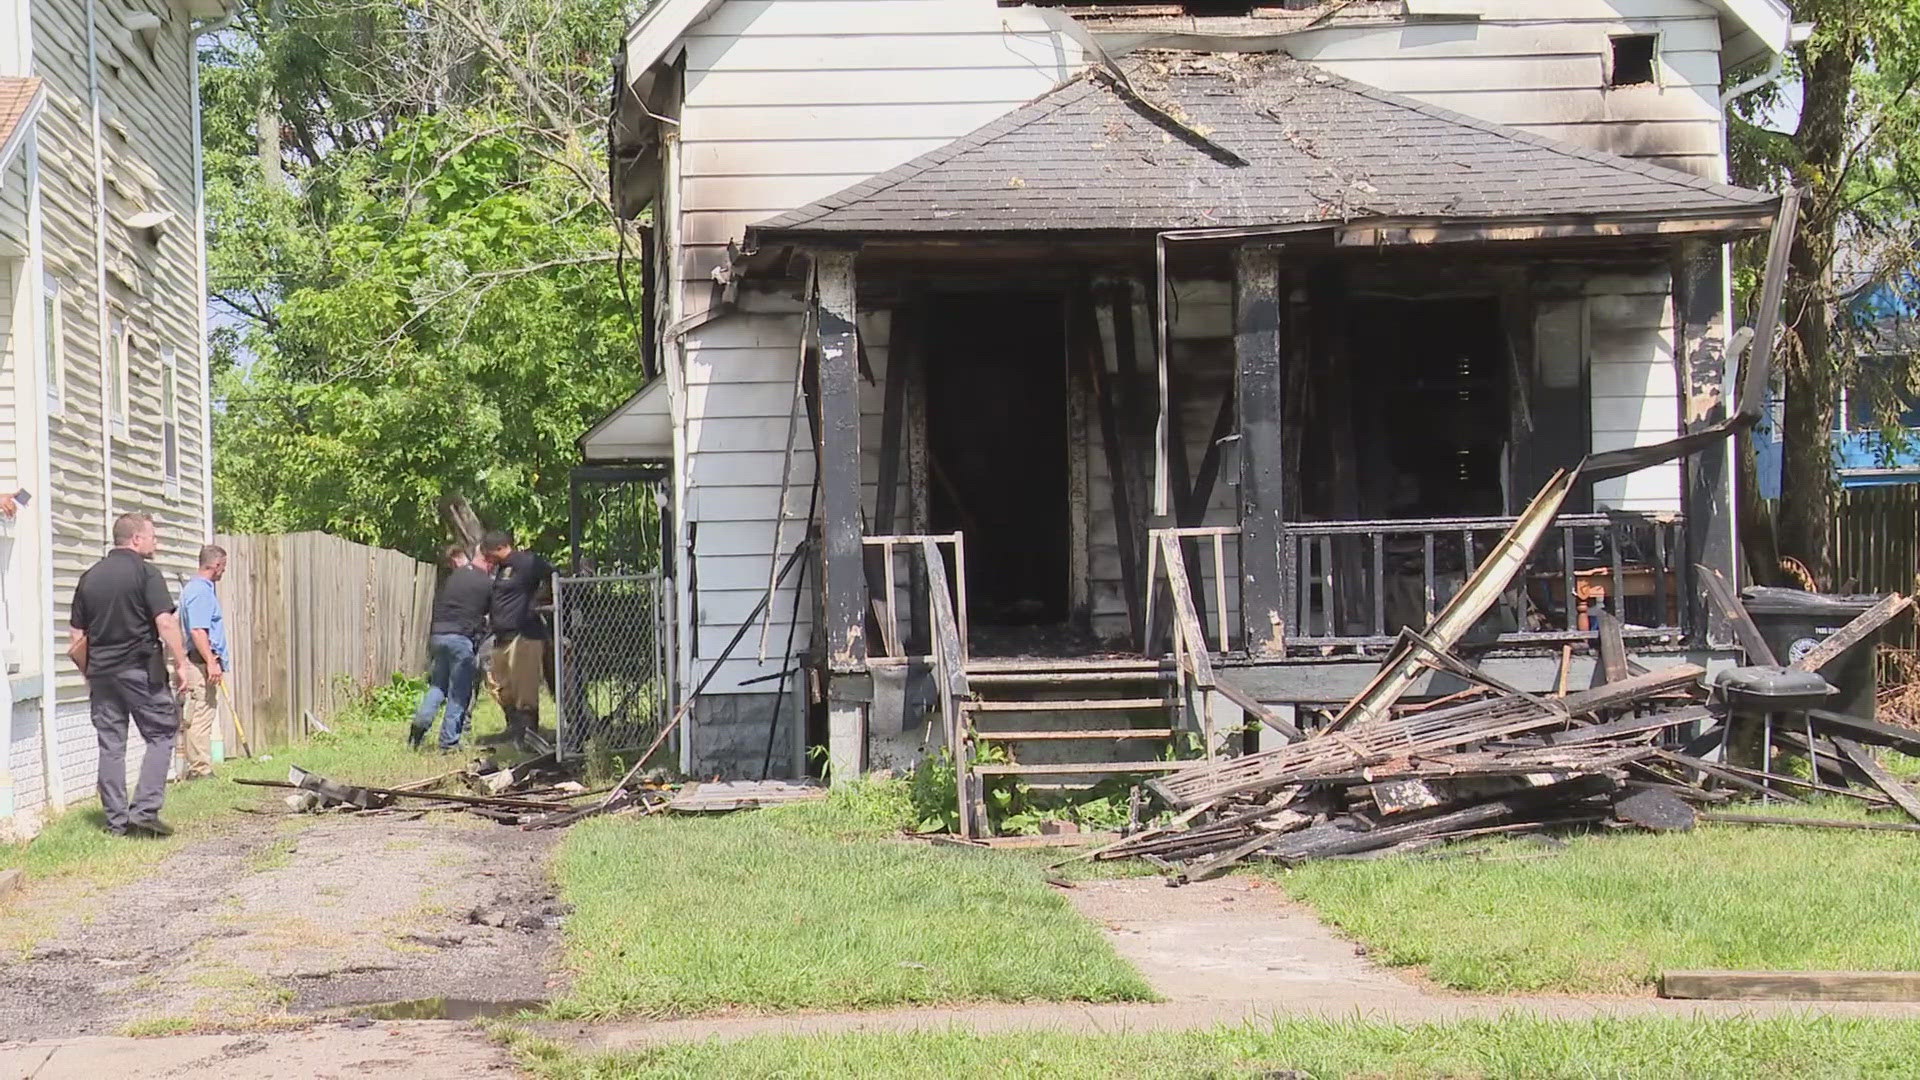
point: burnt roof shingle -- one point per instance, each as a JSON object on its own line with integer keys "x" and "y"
{"x": 1197, "y": 140}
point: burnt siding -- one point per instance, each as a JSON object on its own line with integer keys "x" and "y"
{"x": 1543, "y": 68}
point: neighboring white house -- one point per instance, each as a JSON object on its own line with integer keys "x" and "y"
{"x": 739, "y": 113}
{"x": 103, "y": 387}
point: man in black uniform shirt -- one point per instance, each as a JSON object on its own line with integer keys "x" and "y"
{"x": 122, "y": 614}
{"x": 519, "y": 633}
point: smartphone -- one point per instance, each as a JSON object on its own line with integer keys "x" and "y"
{"x": 22, "y": 497}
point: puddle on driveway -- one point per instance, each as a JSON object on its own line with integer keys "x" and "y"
{"x": 439, "y": 1008}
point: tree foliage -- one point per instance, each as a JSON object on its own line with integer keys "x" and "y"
{"x": 1855, "y": 151}
{"x": 411, "y": 243}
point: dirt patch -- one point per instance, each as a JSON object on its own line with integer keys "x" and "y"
{"x": 278, "y": 920}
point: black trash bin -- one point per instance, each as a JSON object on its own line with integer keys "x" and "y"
{"x": 1793, "y": 622}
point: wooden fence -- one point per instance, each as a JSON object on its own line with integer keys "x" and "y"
{"x": 1876, "y": 549}
{"x": 311, "y": 620}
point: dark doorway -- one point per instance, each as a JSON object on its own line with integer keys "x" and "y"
{"x": 1433, "y": 408}
{"x": 997, "y": 447}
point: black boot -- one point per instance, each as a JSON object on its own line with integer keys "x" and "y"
{"x": 415, "y": 736}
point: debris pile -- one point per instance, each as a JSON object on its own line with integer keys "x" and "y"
{"x": 1632, "y": 752}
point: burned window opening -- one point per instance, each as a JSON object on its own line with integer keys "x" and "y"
{"x": 1633, "y": 59}
{"x": 997, "y": 443}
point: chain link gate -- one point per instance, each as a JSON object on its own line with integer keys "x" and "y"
{"x": 611, "y": 664}
{"x": 612, "y": 661}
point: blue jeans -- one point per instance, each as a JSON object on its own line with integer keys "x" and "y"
{"x": 451, "y": 666}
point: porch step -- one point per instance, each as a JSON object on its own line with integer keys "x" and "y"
{"x": 1104, "y": 733}
{"x": 1070, "y": 768}
{"x": 1062, "y": 678}
{"x": 1014, "y": 665}
{"x": 1077, "y": 705}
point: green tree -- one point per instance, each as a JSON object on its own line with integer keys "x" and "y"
{"x": 413, "y": 249}
{"x": 1855, "y": 151}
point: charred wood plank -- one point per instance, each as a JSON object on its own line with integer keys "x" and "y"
{"x": 1613, "y": 648}
{"x": 1862, "y": 627}
{"x": 1745, "y": 630}
{"x": 1630, "y": 726}
{"x": 1807, "y": 823}
{"x": 1860, "y": 729}
{"x": 1902, "y": 795}
{"x": 1725, "y": 774}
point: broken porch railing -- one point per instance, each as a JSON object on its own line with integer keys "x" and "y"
{"x": 1355, "y": 584}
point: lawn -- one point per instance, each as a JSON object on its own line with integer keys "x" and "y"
{"x": 814, "y": 907}
{"x": 1614, "y": 910}
{"x": 368, "y": 746}
{"x": 1516, "y": 1046}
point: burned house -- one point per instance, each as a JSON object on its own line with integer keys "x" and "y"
{"x": 1126, "y": 377}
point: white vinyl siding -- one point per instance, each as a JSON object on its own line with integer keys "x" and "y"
{"x": 788, "y": 101}
{"x": 1544, "y": 68}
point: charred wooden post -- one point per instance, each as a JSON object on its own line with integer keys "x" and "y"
{"x": 1700, "y": 330}
{"x": 1257, "y": 388}
{"x": 839, "y": 463}
{"x": 843, "y": 572}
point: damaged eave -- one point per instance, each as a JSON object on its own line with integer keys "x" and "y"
{"x": 1389, "y": 232}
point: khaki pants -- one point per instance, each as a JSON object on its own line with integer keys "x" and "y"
{"x": 199, "y": 701}
{"x": 516, "y": 672}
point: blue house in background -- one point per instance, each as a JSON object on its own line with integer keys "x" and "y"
{"x": 1863, "y": 455}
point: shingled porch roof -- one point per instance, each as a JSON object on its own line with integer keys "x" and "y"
{"x": 1208, "y": 140}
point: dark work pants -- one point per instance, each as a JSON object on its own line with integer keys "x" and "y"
{"x": 117, "y": 696}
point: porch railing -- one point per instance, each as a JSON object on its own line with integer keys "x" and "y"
{"x": 1357, "y": 583}
{"x": 1191, "y": 651}
{"x": 886, "y": 602}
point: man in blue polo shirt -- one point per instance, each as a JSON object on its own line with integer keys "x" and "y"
{"x": 205, "y": 629}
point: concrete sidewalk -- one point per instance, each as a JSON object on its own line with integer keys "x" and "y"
{"x": 420, "y": 1050}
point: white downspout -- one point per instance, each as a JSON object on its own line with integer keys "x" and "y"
{"x": 205, "y": 370}
{"x": 102, "y": 312}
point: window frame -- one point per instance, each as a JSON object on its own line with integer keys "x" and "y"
{"x": 1614, "y": 41}
{"x": 53, "y": 343}
{"x": 170, "y": 419}
{"x": 118, "y": 372}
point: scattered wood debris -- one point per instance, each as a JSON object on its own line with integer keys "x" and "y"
{"x": 539, "y": 793}
{"x": 1645, "y": 749}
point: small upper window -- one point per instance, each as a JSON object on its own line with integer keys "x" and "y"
{"x": 118, "y": 365}
{"x": 1633, "y": 56}
{"x": 53, "y": 339}
{"x": 169, "y": 418}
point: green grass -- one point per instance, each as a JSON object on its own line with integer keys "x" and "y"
{"x": 809, "y": 907}
{"x": 368, "y": 746}
{"x": 1614, "y": 910}
{"x": 1517, "y": 1046}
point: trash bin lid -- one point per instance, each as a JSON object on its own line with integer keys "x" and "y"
{"x": 1764, "y": 600}
{"x": 1772, "y": 687}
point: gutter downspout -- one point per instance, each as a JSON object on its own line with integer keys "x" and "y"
{"x": 204, "y": 370}
{"x": 194, "y": 34}
{"x": 101, "y": 311}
